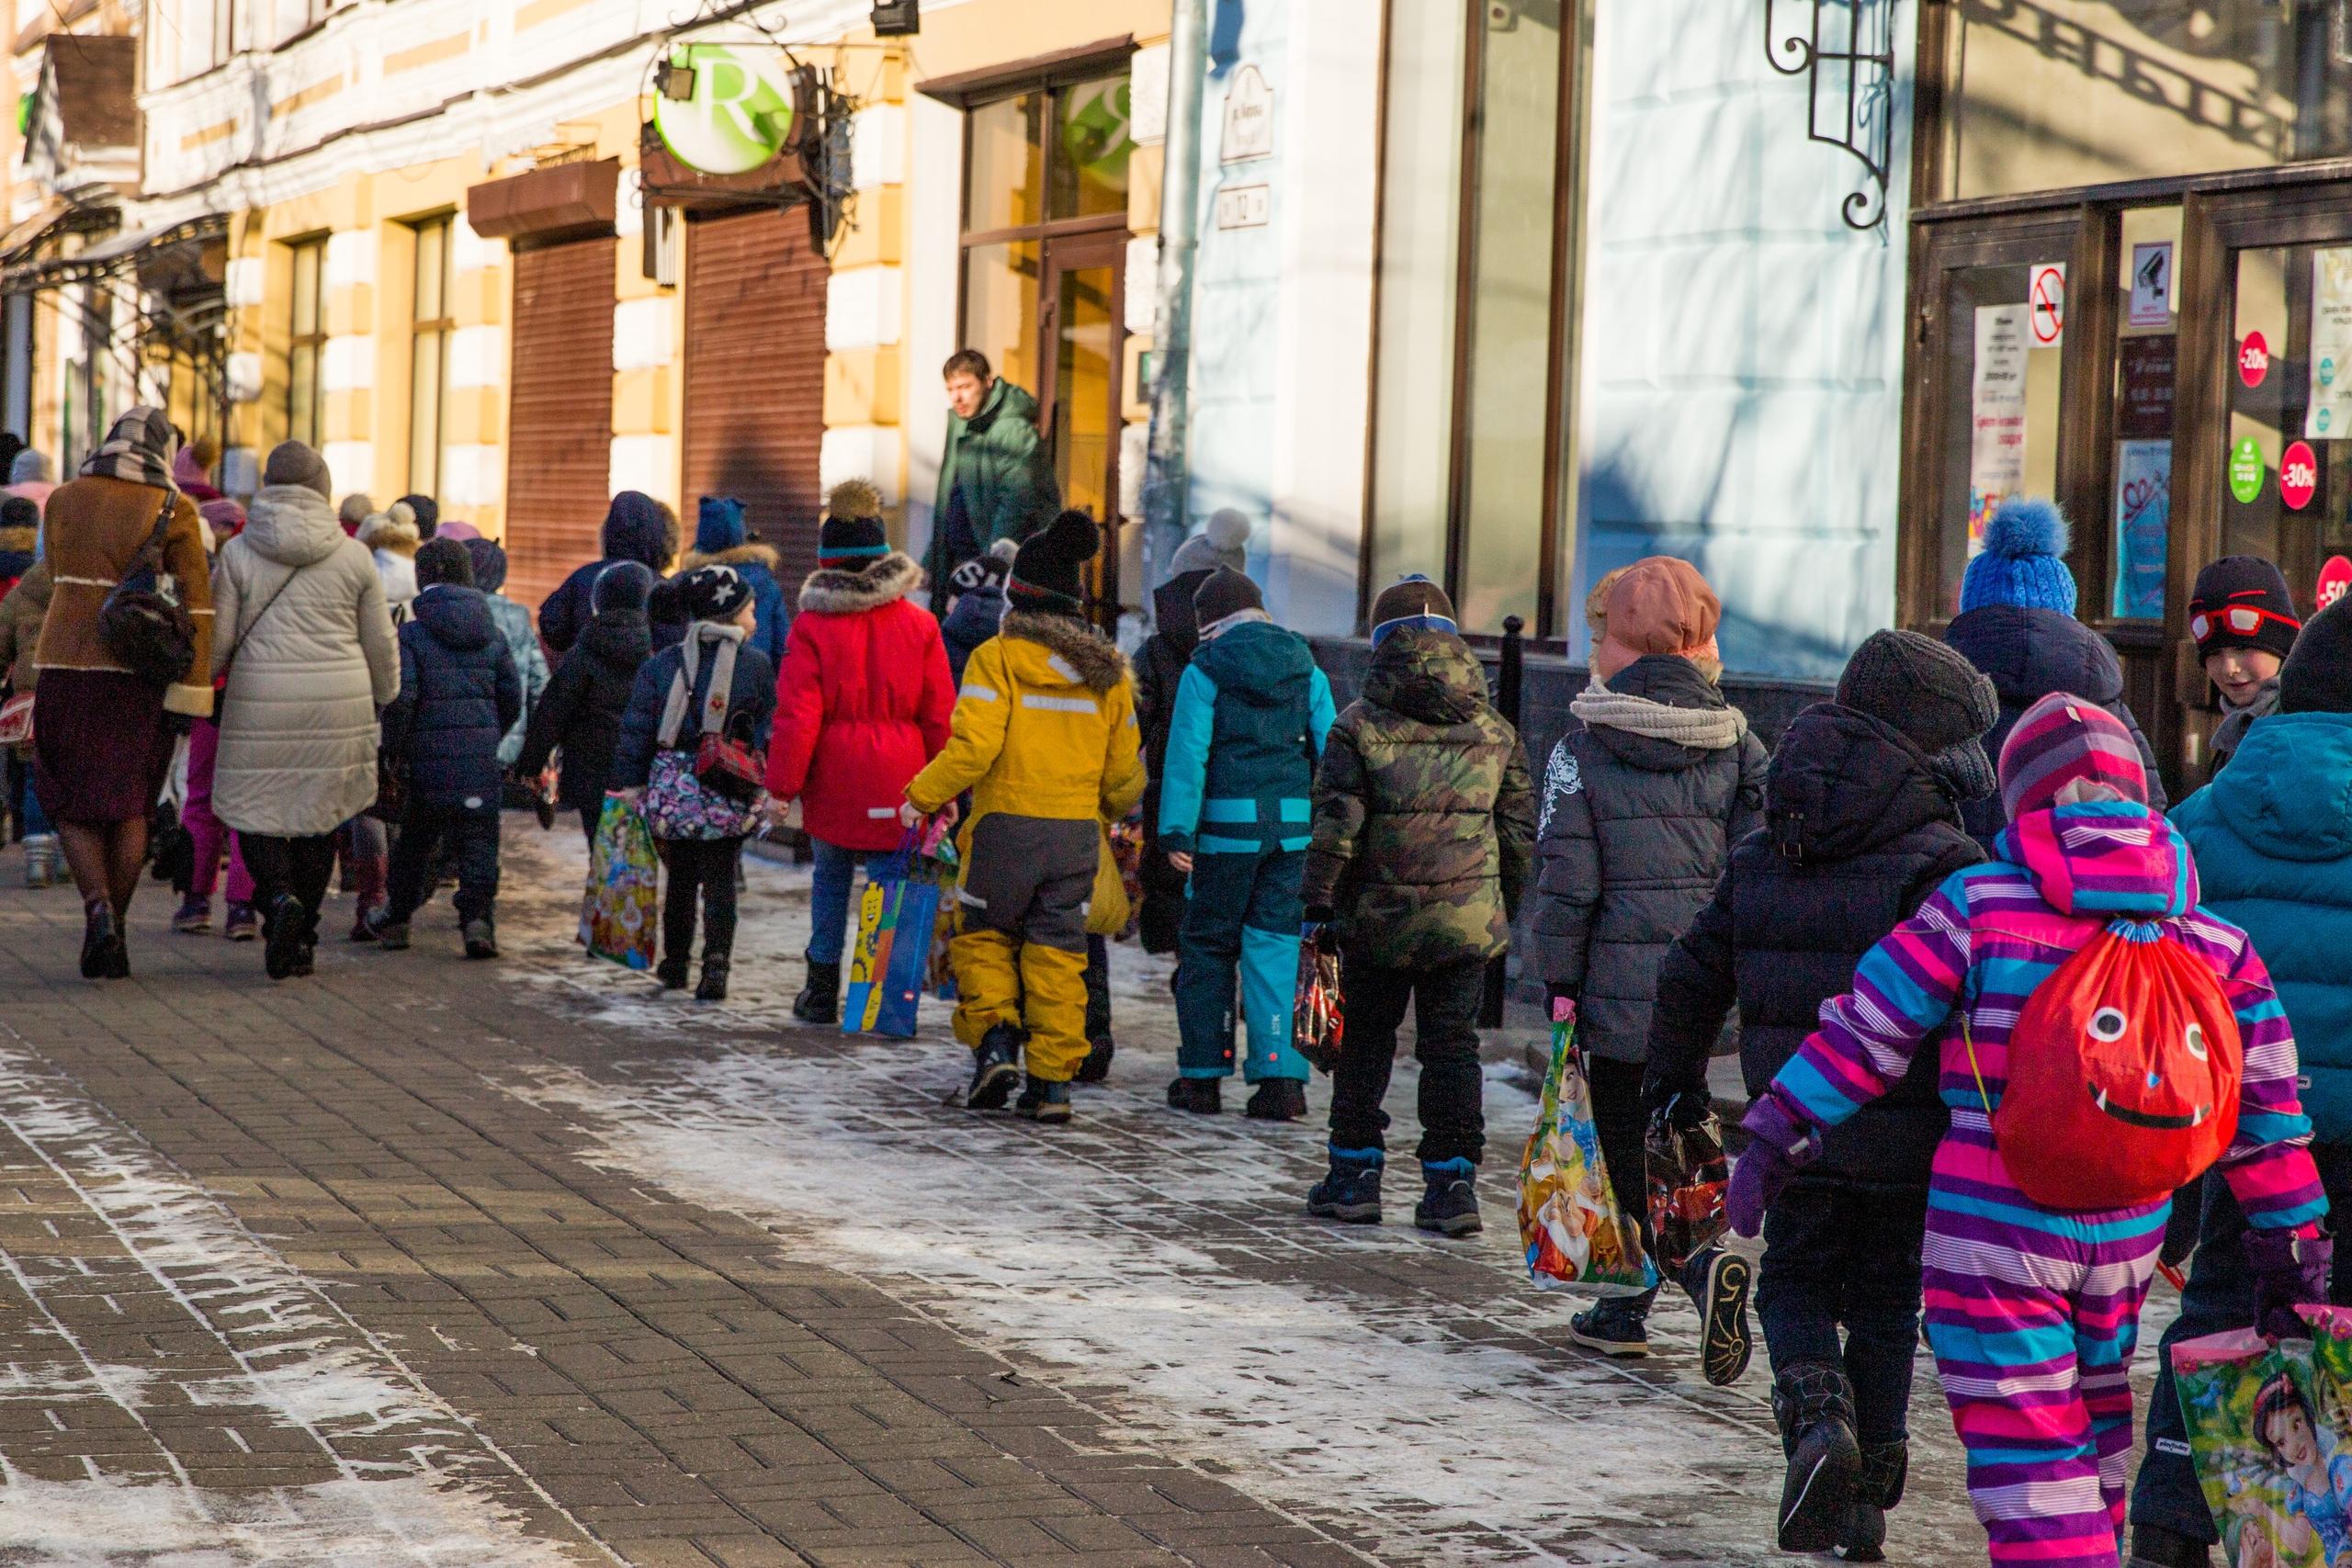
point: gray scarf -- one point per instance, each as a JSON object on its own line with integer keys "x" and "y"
{"x": 1708, "y": 729}
{"x": 729, "y": 639}
{"x": 139, "y": 448}
{"x": 2237, "y": 721}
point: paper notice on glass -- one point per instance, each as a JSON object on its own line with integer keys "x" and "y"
{"x": 1997, "y": 415}
{"x": 2330, "y": 418}
{"x": 2143, "y": 522}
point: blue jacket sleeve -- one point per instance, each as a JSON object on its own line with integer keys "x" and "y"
{"x": 1187, "y": 769}
{"x": 633, "y": 751}
{"x": 758, "y": 701}
{"x": 401, "y": 708}
{"x": 1320, "y": 712}
{"x": 775, "y": 622}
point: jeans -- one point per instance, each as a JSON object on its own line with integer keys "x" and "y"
{"x": 1445, "y": 1040}
{"x": 473, "y": 840}
{"x": 2220, "y": 1296}
{"x": 1838, "y": 1254}
{"x": 703, "y": 866}
{"x": 829, "y": 893}
{"x": 1624, "y": 1130}
{"x": 299, "y": 868}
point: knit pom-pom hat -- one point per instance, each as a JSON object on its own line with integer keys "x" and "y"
{"x": 1224, "y": 542}
{"x": 2067, "y": 749}
{"x": 853, "y": 537}
{"x": 2023, "y": 561}
{"x": 1048, "y": 570}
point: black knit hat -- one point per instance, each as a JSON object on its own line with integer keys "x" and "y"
{"x": 2317, "y": 676}
{"x": 712, "y": 592}
{"x": 622, "y": 586}
{"x": 985, "y": 570}
{"x": 2258, "y": 591}
{"x": 1930, "y": 695}
{"x": 444, "y": 560}
{"x": 1048, "y": 570}
{"x": 1225, "y": 593}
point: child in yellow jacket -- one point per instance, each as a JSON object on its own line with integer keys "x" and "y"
{"x": 1044, "y": 735}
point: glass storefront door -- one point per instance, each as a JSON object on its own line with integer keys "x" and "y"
{"x": 1080, "y": 397}
{"x": 2285, "y": 488}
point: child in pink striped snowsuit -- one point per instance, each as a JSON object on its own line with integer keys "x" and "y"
{"x": 2032, "y": 1311}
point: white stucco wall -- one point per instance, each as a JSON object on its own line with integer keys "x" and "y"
{"x": 1741, "y": 351}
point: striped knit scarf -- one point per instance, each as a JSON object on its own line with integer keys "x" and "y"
{"x": 1708, "y": 729}
{"x": 139, "y": 448}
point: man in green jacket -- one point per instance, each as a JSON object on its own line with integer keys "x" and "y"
{"x": 996, "y": 479}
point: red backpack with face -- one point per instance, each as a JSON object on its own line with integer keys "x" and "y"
{"x": 2123, "y": 1075}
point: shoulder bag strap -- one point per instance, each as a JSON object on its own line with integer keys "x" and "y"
{"x": 150, "y": 554}
{"x": 254, "y": 625}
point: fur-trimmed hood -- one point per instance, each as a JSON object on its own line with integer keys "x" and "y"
{"x": 391, "y": 532}
{"x": 1096, "y": 659}
{"x": 831, "y": 590}
{"x": 753, "y": 554}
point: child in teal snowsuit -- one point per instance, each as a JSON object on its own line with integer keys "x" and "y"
{"x": 1251, "y": 712}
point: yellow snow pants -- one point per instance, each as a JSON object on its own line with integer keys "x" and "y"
{"x": 1020, "y": 948}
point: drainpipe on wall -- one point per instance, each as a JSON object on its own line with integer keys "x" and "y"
{"x": 1180, "y": 222}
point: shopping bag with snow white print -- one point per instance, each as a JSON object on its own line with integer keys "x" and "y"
{"x": 1568, "y": 1218}
{"x": 622, "y": 907}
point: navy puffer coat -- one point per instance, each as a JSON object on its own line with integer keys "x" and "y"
{"x": 1857, "y": 832}
{"x": 2029, "y": 654}
{"x": 637, "y": 528}
{"x": 751, "y": 708}
{"x": 459, "y": 695}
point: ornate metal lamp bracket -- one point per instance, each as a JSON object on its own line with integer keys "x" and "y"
{"x": 1861, "y": 73}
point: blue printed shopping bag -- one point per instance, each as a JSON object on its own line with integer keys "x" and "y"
{"x": 622, "y": 907}
{"x": 891, "y": 966}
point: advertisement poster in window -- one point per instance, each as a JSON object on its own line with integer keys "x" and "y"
{"x": 2330, "y": 418}
{"x": 1997, "y": 415}
{"x": 2143, "y": 519}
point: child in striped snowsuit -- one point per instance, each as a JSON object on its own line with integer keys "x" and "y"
{"x": 2032, "y": 1311}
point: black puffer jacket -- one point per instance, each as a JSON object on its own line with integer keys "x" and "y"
{"x": 580, "y": 710}
{"x": 637, "y": 527}
{"x": 1635, "y": 831}
{"x": 459, "y": 693}
{"x": 1159, "y": 669}
{"x": 1858, "y": 833}
{"x": 2030, "y": 653}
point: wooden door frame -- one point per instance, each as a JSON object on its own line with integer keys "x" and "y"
{"x": 1071, "y": 253}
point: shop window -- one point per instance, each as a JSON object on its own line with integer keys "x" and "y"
{"x": 1467, "y": 477}
{"x": 2001, "y": 420}
{"x": 306, "y": 344}
{"x": 428, "y": 356}
{"x": 2147, "y": 344}
{"x": 2287, "y": 485}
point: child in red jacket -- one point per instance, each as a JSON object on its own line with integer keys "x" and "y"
{"x": 861, "y": 706}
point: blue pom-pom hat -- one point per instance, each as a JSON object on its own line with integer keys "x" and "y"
{"x": 2023, "y": 561}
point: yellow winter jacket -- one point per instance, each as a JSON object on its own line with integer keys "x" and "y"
{"x": 1044, "y": 726}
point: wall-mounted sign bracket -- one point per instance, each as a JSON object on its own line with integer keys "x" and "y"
{"x": 1855, "y": 74}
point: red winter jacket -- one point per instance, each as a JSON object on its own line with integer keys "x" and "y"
{"x": 861, "y": 704}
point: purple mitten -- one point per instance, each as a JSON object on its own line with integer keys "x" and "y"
{"x": 2289, "y": 1270}
{"x": 1782, "y": 1144}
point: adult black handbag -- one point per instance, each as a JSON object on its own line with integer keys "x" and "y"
{"x": 146, "y": 631}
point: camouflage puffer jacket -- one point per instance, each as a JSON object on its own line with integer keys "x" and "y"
{"x": 1424, "y": 814}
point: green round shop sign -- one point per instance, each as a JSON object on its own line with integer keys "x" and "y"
{"x": 2248, "y": 468}
{"x": 739, "y": 115}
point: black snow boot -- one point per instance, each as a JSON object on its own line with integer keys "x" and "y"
{"x": 672, "y": 973}
{"x": 1614, "y": 1325}
{"x": 714, "y": 978}
{"x": 1863, "y": 1537}
{"x": 1449, "y": 1203}
{"x": 1814, "y": 1405}
{"x": 996, "y": 1069}
{"x": 1096, "y": 1069}
{"x": 1351, "y": 1191}
{"x": 819, "y": 1000}
{"x": 1043, "y": 1101}
{"x": 2152, "y": 1545}
{"x": 1277, "y": 1099}
{"x": 282, "y": 940}
{"x": 1201, "y": 1097}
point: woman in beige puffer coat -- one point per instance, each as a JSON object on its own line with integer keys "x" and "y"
{"x": 307, "y": 649}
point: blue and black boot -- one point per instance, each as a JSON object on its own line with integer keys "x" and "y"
{"x": 1614, "y": 1325}
{"x": 996, "y": 1069}
{"x": 1449, "y": 1203}
{"x": 1043, "y": 1101}
{"x": 1351, "y": 1192}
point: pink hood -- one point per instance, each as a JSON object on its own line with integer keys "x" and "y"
{"x": 2107, "y": 857}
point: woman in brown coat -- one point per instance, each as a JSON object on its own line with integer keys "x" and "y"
{"x": 101, "y": 742}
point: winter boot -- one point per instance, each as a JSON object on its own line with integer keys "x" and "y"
{"x": 363, "y": 922}
{"x": 1096, "y": 1069}
{"x": 1862, "y": 1536}
{"x": 819, "y": 1000}
{"x": 1277, "y": 1099}
{"x": 1449, "y": 1203}
{"x": 1614, "y": 1325}
{"x": 481, "y": 939}
{"x": 672, "y": 973}
{"x": 1351, "y": 1191}
{"x": 42, "y": 859}
{"x": 283, "y": 942}
{"x": 1814, "y": 1405}
{"x": 1717, "y": 1279}
{"x": 194, "y": 917}
{"x": 391, "y": 935}
{"x": 996, "y": 1067}
{"x": 714, "y": 978}
{"x": 2152, "y": 1545}
{"x": 1043, "y": 1101}
{"x": 1201, "y": 1097}
{"x": 99, "y": 940}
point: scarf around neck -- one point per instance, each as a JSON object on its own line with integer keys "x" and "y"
{"x": 729, "y": 639}
{"x": 2237, "y": 721}
{"x": 1707, "y": 730}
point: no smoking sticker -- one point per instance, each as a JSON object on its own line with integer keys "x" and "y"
{"x": 2046, "y": 302}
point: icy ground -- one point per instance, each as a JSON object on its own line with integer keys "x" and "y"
{"x": 1416, "y": 1391}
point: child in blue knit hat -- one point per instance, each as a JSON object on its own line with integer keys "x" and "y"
{"x": 2016, "y": 623}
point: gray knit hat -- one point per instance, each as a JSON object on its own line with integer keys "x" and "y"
{"x": 1930, "y": 695}
{"x": 1224, "y": 542}
{"x": 293, "y": 463}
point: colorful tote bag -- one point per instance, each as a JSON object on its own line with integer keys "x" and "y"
{"x": 621, "y": 911}
{"x": 891, "y": 967}
{"x": 1568, "y": 1218}
{"x": 2271, "y": 1435}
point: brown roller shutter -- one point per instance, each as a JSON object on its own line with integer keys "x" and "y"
{"x": 755, "y": 376}
{"x": 559, "y": 446}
